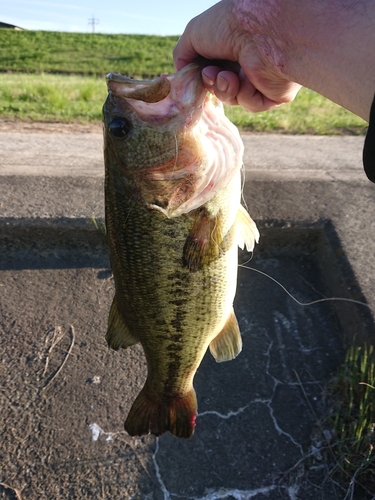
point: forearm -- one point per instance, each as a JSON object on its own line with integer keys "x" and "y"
{"x": 325, "y": 45}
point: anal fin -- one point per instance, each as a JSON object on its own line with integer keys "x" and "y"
{"x": 228, "y": 343}
{"x": 118, "y": 334}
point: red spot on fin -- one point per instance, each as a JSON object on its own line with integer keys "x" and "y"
{"x": 193, "y": 422}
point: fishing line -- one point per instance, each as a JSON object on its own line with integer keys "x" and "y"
{"x": 303, "y": 304}
{"x": 353, "y": 301}
{"x": 176, "y": 150}
{"x": 243, "y": 201}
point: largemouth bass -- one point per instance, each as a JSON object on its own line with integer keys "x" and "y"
{"x": 174, "y": 222}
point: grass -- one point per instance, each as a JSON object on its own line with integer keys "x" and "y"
{"x": 309, "y": 113}
{"x": 70, "y": 98}
{"x": 47, "y": 97}
{"x": 101, "y": 227}
{"x": 353, "y": 419}
{"x": 85, "y": 53}
{"x": 56, "y": 76}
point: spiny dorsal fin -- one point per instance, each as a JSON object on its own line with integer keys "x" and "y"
{"x": 203, "y": 243}
{"x": 118, "y": 334}
{"x": 228, "y": 344}
{"x": 247, "y": 232}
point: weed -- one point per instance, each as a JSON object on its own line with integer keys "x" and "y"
{"x": 101, "y": 227}
{"x": 353, "y": 418}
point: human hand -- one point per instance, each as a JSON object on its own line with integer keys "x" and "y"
{"x": 244, "y": 70}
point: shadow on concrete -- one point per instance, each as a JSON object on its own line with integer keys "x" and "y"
{"x": 52, "y": 244}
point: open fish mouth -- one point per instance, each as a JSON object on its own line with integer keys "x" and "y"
{"x": 166, "y": 96}
{"x": 143, "y": 90}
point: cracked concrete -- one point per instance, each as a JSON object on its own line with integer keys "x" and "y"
{"x": 258, "y": 413}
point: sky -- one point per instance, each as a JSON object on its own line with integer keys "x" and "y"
{"x": 149, "y": 17}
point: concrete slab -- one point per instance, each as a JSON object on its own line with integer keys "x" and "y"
{"x": 62, "y": 428}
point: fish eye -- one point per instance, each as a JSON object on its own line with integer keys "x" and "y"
{"x": 119, "y": 127}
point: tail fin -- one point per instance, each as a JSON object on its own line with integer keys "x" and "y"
{"x": 175, "y": 415}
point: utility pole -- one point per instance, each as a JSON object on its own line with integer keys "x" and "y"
{"x": 93, "y": 22}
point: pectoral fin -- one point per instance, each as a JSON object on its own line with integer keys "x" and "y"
{"x": 203, "y": 244}
{"x": 247, "y": 232}
{"x": 118, "y": 333}
{"x": 228, "y": 344}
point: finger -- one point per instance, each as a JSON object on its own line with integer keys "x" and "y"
{"x": 224, "y": 84}
{"x": 261, "y": 102}
{"x": 265, "y": 93}
{"x": 209, "y": 75}
{"x": 208, "y": 35}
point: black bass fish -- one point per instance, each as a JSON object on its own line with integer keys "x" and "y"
{"x": 174, "y": 221}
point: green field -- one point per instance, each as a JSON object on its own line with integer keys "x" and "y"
{"x": 58, "y": 76}
{"x": 84, "y": 53}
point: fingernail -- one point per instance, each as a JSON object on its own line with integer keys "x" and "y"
{"x": 221, "y": 83}
{"x": 208, "y": 80}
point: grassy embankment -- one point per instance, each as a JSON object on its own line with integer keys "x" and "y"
{"x": 54, "y": 76}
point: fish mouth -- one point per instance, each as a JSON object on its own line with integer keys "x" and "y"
{"x": 165, "y": 96}
{"x": 149, "y": 91}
